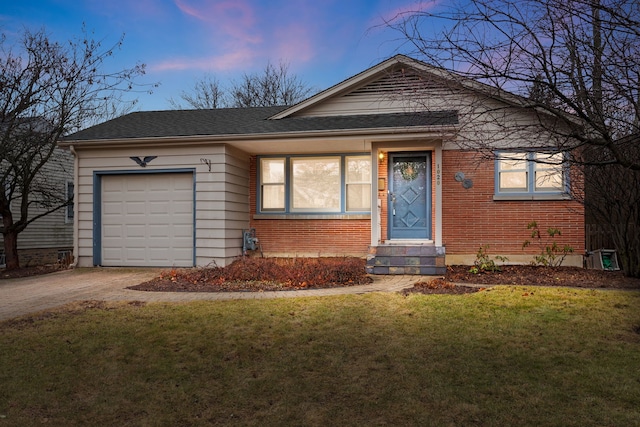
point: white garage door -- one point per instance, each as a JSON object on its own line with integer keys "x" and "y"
{"x": 147, "y": 220}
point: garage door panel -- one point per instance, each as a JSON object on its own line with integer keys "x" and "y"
{"x": 147, "y": 220}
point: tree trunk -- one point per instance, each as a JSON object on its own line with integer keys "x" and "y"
{"x": 12, "y": 261}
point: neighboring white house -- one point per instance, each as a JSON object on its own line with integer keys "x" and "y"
{"x": 374, "y": 166}
{"x": 49, "y": 239}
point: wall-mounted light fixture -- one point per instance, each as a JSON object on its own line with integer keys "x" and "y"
{"x": 381, "y": 157}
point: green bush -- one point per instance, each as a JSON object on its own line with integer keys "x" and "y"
{"x": 551, "y": 254}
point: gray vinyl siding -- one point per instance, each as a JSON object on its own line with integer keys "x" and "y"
{"x": 53, "y": 230}
{"x": 221, "y": 195}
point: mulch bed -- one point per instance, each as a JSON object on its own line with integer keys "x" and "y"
{"x": 210, "y": 280}
{"x": 528, "y": 275}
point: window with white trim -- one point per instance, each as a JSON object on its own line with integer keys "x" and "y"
{"x": 530, "y": 173}
{"x": 315, "y": 184}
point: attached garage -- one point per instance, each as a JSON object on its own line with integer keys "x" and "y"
{"x": 146, "y": 219}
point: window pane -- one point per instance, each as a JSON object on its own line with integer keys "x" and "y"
{"x": 513, "y": 172}
{"x": 358, "y": 197}
{"x": 549, "y": 180}
{"x": 315, "y": 184}
{"x": 513, "y": 161}
{"x": 513, "y": 181}
{"x": 548, "y": 172}
{"x": 272, "y": 171}
{"x": 549, "y": 159}
{"x": 358, "y": 169}
{"x": 273, "y": 197}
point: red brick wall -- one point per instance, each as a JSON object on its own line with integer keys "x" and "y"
{"x": 473, "y": 219}
{"x": 308, "y": 237}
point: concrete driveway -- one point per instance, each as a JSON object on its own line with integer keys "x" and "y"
{"x": 32, "y": 294}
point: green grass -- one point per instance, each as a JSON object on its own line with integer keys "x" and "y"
{"x": 509, "y": 356}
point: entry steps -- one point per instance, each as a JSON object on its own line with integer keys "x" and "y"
{"x": 406, "y": 258}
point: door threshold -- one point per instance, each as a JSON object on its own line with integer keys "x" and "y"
{"x": 409, "y": 242}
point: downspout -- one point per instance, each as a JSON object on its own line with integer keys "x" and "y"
{"x": 76, "y": 175}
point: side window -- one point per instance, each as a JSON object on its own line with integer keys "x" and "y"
{"x": 358, "y": 183}
{"x": 272, "y": 184}
{"x": 530, "y": 174}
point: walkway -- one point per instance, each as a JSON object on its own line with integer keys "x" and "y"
{"x": 31, "y": 294}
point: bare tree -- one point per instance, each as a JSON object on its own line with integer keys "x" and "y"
{"x": 47, "y": 90}
{"x": 273, "y": 86}
{"x": 574, "y": 65}
{"x": 207, "y": 93}
{"x": 583, "y": 55}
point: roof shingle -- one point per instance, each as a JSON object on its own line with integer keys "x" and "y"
{"x": 247, "y": 121}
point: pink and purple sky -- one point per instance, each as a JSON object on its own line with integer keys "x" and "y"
{"x": 323, "y": 41}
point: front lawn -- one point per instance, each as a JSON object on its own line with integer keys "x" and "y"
{"x": 526, "y": 356}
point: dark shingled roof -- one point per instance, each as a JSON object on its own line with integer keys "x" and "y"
{"x": 247, "y": 121}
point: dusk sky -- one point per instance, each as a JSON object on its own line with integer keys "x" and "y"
{"x": 323, "y": 41}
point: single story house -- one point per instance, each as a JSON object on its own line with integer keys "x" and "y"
{"x": 372, "y": 167}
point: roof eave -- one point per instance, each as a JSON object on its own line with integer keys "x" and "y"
{"x": 373, "y": 133}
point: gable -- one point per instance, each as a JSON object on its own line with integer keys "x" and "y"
{"x": 394, "y": 90}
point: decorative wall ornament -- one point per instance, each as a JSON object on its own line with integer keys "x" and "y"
{"x": 466, "y": 183}
{"x": 206, "y": 162}
{"x": 143, "y": 162}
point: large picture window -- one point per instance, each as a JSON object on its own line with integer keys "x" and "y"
{"x": 315, "y": 184}
{"x": 530, "y": 173}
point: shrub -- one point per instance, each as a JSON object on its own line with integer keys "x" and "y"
{"x": 484, "y": 263}
{"x": 551, "y": 254}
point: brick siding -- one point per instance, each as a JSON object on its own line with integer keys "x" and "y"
{"x": 471, "y": 218}
{"x": 308, "y": 237}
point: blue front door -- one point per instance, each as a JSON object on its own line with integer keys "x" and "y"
{"x": 409, "y": 195}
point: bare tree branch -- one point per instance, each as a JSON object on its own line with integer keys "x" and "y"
{"x": 49, "y": 89}
{"x": 575, "y": 67}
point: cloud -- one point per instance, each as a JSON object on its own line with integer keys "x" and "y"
{"x": 234, "y": 18}
{"x": 410, "y": 9}
{"x": 224, "y": 62}
{"x": 294, "y": 42}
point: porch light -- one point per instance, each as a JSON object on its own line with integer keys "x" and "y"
{"x": 381, "y": 156}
